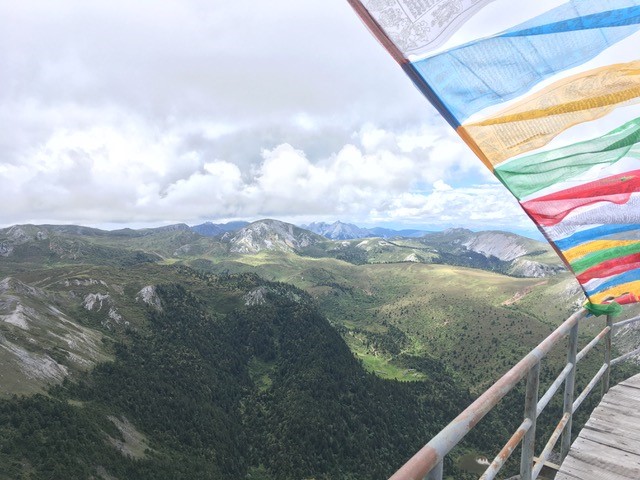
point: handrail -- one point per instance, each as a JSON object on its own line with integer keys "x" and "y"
{"x": 625, "y": 322}
{"x": 428, "y": 461}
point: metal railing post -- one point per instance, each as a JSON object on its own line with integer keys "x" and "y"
{"x": 436, "y": 473}
{"x": 530, "y": 413}
{"x": 569, "y": 390}
{"x": 607, "y": 356}
{"x": 428, "y": 458}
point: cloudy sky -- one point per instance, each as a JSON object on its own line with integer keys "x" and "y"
{"x": 118, "y": 113}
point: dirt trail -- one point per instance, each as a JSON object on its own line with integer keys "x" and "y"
{"x": 523, "y": 293}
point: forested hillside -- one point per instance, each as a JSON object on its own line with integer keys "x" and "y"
{"x": 232, "y": 378}
{"x": 158, "y": 354}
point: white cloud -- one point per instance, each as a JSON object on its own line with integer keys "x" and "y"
{"x": 480, "y": 207}
{"x": 107, "y": 175}
{"x": 154, "y": 112}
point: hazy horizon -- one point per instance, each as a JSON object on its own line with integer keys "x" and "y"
{"x": 391, "y": 226}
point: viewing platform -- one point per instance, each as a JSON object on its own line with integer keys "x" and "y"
{"x": 608, "y": 447}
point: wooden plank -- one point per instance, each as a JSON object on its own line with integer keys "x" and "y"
{"x": 624, "y": 413}
{"x": 614, "y": 426}
{"x": 611, "y": 460}
{"x": 608, "y": 447}
{"x": 619, "y": 409}
{"x": 632, "y": 382}
{"x": 629, "y": 393}
{"x": 612, "y": 440}
{"x": 565, "y": 475}
{"x": 576, "y": 468}
{"x": 573, "y": 468}
{"x": 602, "y": 455}
{"x": 547, "y": 463}
{"x": 630, "y": 386}
{"x": 623, "y": 394}
{"x": 625, "y": 418}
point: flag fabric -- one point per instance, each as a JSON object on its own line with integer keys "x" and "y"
{"x": 546, "y": 93}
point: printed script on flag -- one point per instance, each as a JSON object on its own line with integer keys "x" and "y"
{"x": 546, "y": 93}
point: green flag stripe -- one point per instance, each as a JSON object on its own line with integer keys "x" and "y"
{"x": 600, "y": 256}
{"x": 526, "y": 175}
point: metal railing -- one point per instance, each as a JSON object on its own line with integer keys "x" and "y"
{"x": 428, "y": 462}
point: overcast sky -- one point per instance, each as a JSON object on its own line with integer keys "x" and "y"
{"x": 138, "y": 113}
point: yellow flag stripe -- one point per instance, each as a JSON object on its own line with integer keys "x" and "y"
{"x": 633, "y": 287}
{"x": 590, "y": 247}
{"x": 536, "y": 120}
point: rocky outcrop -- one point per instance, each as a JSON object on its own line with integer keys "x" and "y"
{"x": 256, "y": 296}
{"x": 413, "y": 258}
{"x": 39, "y": 343}
{"x": 504, "y": 246}
{"x": 149, "y": 296}
{"x": 95, "y": 301}
{"x": 270, "y": 235}
{"x": 531, "y": 269}
{"x": 338, "y": 230}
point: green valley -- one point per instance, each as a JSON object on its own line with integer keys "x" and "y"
{"x": 267, "y": 353}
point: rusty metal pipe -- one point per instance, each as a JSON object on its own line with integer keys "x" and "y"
{"x": 594, "y": 381}
{"x": 592, "y": 343}
{"x": 555, "y": 386}
{"x": 626, "y": 322}
{"x": 436, "y": 473}
{"x": 502, "y": 457}
{"x": 530, "y": 413}
{"x": 621, "y": 358}
{"x": 433, "y": 452}
{"x": 569, "y": 391}
{"x": 607, "y": 357}
{"x": 546, "y": 453}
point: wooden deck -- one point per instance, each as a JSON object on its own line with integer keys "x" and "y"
{"x": 608, "y": 447}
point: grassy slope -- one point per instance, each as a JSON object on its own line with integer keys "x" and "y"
{"x": 397, "y": 318}
{"x": 213, "y": 386}
{"x": 479, "y": 323}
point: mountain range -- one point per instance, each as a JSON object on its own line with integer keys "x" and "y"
{"x": 495, "y": 251}
{"x": 265, "y": 352}
{"x": 346, "y": 231}
{"x": 334, "y": 231}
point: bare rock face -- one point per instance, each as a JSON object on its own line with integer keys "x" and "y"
{"x": 102, "y": 302}
{"x": 19, "y": 235}
{"x": 149, "y": 296}
{"x": 260, "y": 295}
{"x": 338, "y": 230}
{"x": 31, "y": 318}
{"x": 270, "y": 235}
{"x": 533, "y": 269}
{"x": 6, "y": 249}
{"x": 501, "y": 245}
{"x": 82, "y": 282}
{"x": 412, "y": 258}
{"x": 256, "y": 296}
{"x": 95, "y": 301}
{"x": 10, "y": 284}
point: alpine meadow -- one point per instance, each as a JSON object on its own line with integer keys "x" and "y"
{"x": 266, "y": 351}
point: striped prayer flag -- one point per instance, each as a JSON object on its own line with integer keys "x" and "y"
{"x": 546, "y": 93}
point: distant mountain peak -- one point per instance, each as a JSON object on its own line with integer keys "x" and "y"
{"x": 210, "y": 229}
{"x": 457, "y": 231}
{"x": 270, "y": 234}
{"x": 503, "y": 245}
{"x": 339, "y": 230}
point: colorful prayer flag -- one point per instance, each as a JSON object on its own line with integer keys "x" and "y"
{"x": 546, "y": 93}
